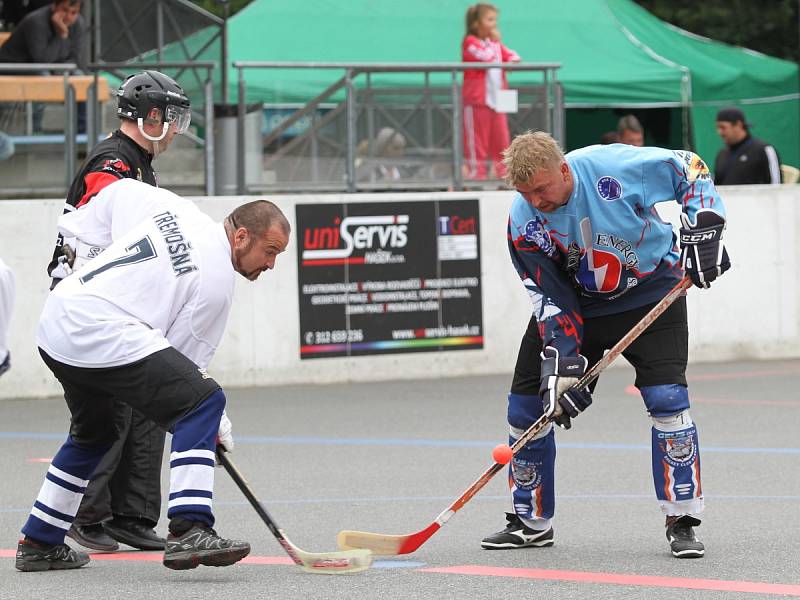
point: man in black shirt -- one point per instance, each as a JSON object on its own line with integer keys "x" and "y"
{"x": 744, "y": 159}
{"x": 123, "y": 499}
{"x": 55, "y": 33}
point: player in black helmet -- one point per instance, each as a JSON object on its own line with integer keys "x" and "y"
{"x": 152, "y": 98}
{"x": 123, "y": 500}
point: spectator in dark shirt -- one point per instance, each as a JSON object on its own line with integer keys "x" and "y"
{"x": 55, "y": 33}
{"x": 744, "y": 159}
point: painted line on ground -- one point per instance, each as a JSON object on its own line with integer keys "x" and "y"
{"x": 424, "y": 443}
{"x": 620, "y": 579}
{"x": 482, "y": 498}
{"x": 625, "y": 579}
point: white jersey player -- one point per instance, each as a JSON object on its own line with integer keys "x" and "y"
{"x": 111, "y": 332}
{"x": 7, "y": 292}
{"x": 115, "y": 210}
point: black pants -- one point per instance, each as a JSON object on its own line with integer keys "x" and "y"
{"x": 127, "y": 482}
{"x": 659, "y": 354}
{"x": 165, "y": 385}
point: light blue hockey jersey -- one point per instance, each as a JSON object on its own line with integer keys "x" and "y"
{"x": 606, "y": 250}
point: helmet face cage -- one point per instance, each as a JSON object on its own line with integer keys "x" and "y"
{"x": 142, "y": 92}
{"x": 180, "y": 116}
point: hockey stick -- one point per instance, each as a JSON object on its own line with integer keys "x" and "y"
{"x": 350, "y": 561}
{"x": 387, "y": 545}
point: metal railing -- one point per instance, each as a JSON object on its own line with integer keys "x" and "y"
{"x": 357, "y": 99}
{"x": 205, "y": 117}
{"x": 127, "y": 29}
{"x": 70, "y": 124}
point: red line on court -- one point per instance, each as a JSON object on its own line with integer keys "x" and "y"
{"x": 721, "y": 585}
{"x": 157, "y": 556}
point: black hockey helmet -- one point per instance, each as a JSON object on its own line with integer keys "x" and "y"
{"x": 143, "y": 91}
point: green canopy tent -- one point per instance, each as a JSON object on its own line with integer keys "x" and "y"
{"x": 614, "y": 55}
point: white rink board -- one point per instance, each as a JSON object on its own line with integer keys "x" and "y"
{"x": 751, "y": 313}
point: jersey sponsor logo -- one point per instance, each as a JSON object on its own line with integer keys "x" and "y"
{"x": 537, "y": 234}
{"x": 609, "y": 188}
{"x": 525, "y": 473}
{"x": 116, "y": 164}
{"x": 380, "y": 233}
{"x": 178, "y": 246}
{"x": 625, "y": 248}
{"x": 598, "y": 270}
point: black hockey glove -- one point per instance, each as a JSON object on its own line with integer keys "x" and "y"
{"x": 703, "y": 255}
{"x": 559, "y": 375}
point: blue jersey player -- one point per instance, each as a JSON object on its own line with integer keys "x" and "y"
{"x": 595, "y": 257}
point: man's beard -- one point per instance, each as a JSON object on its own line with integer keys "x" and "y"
{"x": 237, "y": 254}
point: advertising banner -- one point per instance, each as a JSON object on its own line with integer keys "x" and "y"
{"x": 382, "y": 277}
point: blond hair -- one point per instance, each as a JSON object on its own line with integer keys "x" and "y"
{"x": 475, "y": 13}
{"x": 529, "y": 153}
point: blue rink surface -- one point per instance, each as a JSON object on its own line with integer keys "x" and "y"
{"x": 389, "y": 457}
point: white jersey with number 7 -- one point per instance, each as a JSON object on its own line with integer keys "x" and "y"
{"x": 170, "y": 276}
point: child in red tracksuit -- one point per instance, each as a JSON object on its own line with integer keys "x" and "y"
{"x": 485, "y": 130}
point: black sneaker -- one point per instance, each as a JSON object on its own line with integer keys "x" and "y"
{"x": 93, "y": 536}
{"x": 517, "y": 535}
{"x": 138, "y": 533}
{"x": 32, "y": 556}
{"x": 201, "y": 545}
{"x": 682, "y": 540}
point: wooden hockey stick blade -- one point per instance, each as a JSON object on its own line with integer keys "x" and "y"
{"x": 328, "y": 563}
{"x": 391, "y": 545}
{"x": 331, "y": 563}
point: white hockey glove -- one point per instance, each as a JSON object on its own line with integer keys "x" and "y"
{"x": 559, "y": 375}
{"x": 225, "y": 435}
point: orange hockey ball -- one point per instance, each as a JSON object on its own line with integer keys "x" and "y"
{"x": 502, "y": 454}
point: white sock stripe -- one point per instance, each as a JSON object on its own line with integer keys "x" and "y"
{"x": 67, "y": 477}
{"x": 195, "y": 500}
{"x": 58, "y": 498}
{"x": 191, "y": 477}
{"x": 207, "y": 454}
{"x": 51, "y": 520}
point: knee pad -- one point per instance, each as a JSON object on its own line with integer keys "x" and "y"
{"x": 524, "y": 410}
{"x": 665, "y": 400}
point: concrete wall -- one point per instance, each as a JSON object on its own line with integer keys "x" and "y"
{"x": 752, "y": 312}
